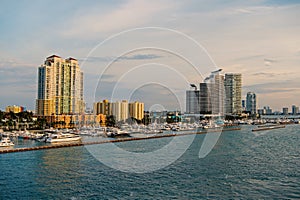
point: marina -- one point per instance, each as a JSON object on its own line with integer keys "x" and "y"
{"x": 114, "y": 140}
{"x": 221, "y": 175}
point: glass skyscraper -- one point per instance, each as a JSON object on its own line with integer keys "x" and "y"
{"x": 192, "y": 101}
{"x": 251, "y": 103}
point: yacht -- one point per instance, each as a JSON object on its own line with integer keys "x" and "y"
{"x": 56, "y": 138}
{"x": 117, "y": 133}
{"x": 6, "y": 142}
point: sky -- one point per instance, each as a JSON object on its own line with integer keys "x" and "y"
{"x": 151, "y": 50}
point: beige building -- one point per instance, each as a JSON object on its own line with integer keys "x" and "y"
{"x": 122, "y": 110}
{"x": 136, "y": 110}
{"x": 60, "y": 87}
{"x": 75, "y": 121}
{"x": 14, "y": 109}
{"x": 103, "y": 107}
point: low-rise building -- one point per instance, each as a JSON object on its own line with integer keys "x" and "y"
{"x": 15, "y": 109}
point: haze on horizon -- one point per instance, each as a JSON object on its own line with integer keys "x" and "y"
{"x": 258, "y": 38}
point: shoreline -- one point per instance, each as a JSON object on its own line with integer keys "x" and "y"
{"x": 64, "y": 145}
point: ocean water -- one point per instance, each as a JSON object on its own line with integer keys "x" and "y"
{"x": 242, "y": 165}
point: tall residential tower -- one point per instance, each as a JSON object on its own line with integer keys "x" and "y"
{"x": 193, "y": 101}
{"x": 251, "y": 103}
{"x": 60, "y": 87}
{"x": 212, "y": 94}
{"x": 233, "y": 92}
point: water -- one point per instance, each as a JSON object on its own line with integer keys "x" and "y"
{"x": 242, "y": 165}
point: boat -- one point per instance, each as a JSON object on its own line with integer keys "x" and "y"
{"x": 264, "y": 128}
{"x": 6, "y": 142}
{"x": 56, "y": 138}
{"x": 154, "y": 131}
{"x": 116, "y": 133}
{"x": 213, "y": 126}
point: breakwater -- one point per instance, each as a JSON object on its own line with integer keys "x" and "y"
{"x": 63, "y": 145}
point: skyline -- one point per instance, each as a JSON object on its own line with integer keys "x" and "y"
{"x": 258, "y": 39}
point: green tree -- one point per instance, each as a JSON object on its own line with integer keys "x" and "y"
{"x": 41, "y": 122}
{"x": 110, "y": 121}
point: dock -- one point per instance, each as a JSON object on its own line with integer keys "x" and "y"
{"x": 265, "y": 128}
{"x": 63, "y": 145}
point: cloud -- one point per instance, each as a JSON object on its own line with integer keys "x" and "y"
{"x": 140, "y": 57}
{"x": 155, "y": 94}
{"x": 18, "y": 85}
{"x": 274, "y": 87}
{"x": 242, "y": 36}
{"x": 131, "y": 14}
{"x": 269, "y": 62}
{"x": 252, "y": 10}
{"x": 95, "y": 59}
{"x": 111, "y": 58}
{"x": 264, "y": 74}
{"x": 11, "y": 62}
{"x": 250, "y": 57}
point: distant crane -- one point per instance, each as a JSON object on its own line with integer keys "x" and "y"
{"x": 212, "y": 74}
{"x": 193, "y": 86}
{"x": 217, "y": 71}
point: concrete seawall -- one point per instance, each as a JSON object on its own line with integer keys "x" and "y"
{"x": 62, "y": 145}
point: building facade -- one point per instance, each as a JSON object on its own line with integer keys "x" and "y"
{"x": 205, "y": 98}
{"x": 60, "y": 87}
{"x": 193, "y": 101}
{"x": 212, "y": 98}
{"x": 75, "y": 121}
{"x": 295, "y": 110}
{"x": 104, "y": 107}
{"x": 285, "y": 111}
{"x": 233, "y": 94}
{"x": 217, "y": 94}
{"x": 15, "y": 109}
{"x": 121, "y": 110}
{"x": 136, "y": 110}
{"x": 251, "y": 103}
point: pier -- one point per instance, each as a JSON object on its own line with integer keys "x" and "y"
{"x": 63, "y": 145}
{"x": 268, "y": 127}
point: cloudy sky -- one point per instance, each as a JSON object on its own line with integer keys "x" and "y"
{"x": 151, "y": 50}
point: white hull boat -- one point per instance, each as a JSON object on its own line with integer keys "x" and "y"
{"x": 6, "y": 142}
{"x": 63, "y": 138}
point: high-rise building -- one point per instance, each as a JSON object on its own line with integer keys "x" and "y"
{"x": 251, "y": 103}
{"x": 60, "y": 87}
{"x": 217, "y": 93}
{"x": 244, "y": 105}
{"x": 268, "y": 110}
{"x": 233, "y": 93}
{"x": 295, "y": 110}
{"x": 136, "y": 110}
{"x": 205, "y": 98}
{"x": 212, "y": 94}
{"x": 285, "y": 111}
{"x": 192, "y": 101}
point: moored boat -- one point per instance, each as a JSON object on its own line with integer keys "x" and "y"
{"x": 116, "y": 133}
{"x": 56, "y": 138}
{"x": 6, "y": 142}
